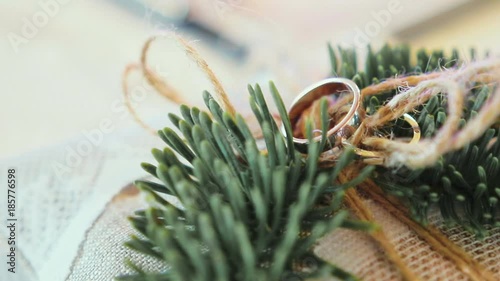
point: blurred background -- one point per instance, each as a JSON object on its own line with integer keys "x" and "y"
{"x": 62, "y": 60}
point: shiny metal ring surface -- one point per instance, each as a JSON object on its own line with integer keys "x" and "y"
{"x": 326, "y": 87}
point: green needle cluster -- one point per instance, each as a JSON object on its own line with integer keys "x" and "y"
{"x": 464, "y": 184}
{"x": 247, "y": 214}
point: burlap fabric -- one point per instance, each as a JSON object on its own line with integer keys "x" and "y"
{"x": 101, "y": 255}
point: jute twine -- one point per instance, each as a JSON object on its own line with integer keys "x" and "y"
{"x": 413, "y": 91}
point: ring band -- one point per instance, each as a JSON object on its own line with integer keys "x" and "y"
{"x": 326, "y": 87}
{"x": 377, "y": 158}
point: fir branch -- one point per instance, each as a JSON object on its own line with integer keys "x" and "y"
{"x": 464, "y": 184}
{"x": 245, "y": 215}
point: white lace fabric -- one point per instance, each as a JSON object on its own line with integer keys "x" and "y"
{"x": 55, "y": 210}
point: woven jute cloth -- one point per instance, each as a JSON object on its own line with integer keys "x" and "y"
{"x": 73, "y": 227}
{"x": 102, "y": 253}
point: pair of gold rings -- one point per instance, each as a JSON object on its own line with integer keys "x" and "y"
{"x": 329, "y": 88}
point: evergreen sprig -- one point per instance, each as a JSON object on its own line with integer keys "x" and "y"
{"x": 246, "y": 214}
{"x": 464, "y": 184}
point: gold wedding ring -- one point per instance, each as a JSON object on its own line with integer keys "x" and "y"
{"x": 326, "y": 87}
{"x": 377, "y": 158}
{"x": 337, "y": 86}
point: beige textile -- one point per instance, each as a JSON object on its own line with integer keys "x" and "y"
{"x": 101, "y": 256}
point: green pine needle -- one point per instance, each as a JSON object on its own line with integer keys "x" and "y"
{"x": 464, "y": 183}
{"x": 246, "y": 215}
